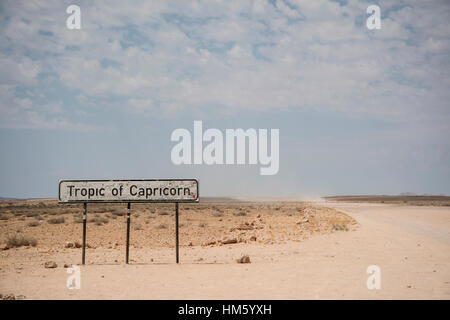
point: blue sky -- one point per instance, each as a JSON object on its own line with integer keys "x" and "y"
{"x": 359, "y": 111}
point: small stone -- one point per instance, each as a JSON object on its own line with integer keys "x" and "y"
{"x": 66, "y": 265}
{"x": 69, "y": 245}
{"x": 4, "y": 247}
{"x": 244, "y": 259}
{"x": 253, "y": 238}
{"x": 77, "y": 244}
{"x": 50, "y": 265}
{"x": 229, "y": 241}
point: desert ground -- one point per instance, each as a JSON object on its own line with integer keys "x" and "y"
{"x": 295, "y": 250}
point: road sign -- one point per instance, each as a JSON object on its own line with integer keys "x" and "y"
{"x": 164, "y": 190}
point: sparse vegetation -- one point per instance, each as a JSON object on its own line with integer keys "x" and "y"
{"x": 16, "y": 241}
{"x": 99, "y": 221}
{"x": 31, "y": 214}
{"x": 58, "y": 220}
{"x": 33, "y": 224}
{"x": 340, "y": 227}
{"x": 234, "y": 220}
{"x": 78, "y": 220}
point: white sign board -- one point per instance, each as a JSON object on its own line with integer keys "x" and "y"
{"x": 165, "y": 190}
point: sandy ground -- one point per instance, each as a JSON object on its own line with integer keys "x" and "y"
{"x": 410, "y": 244}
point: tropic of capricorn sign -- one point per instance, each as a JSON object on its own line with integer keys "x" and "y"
{"x": 163, "y": 190}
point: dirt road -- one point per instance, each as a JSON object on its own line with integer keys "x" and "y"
{"x": 411, "y": 245}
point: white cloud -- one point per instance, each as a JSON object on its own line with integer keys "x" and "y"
{"x": 240, "y": 55}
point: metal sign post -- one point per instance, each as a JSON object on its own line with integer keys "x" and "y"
{"x": 128, "y": 234}
{"x": 176, "y": 233}
{"x": 127, "y": 191}
{"x": 84, "y": 232}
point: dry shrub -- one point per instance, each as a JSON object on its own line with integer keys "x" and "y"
{"x": 33, "y": 224}
{"x": 340, "y": 227}
{"x": 56, "y": 220}
{"x": 99, "y": 220}
{"x": 77, "y": 220}
{"x": 15, "y": 241}
{"x": 31, "y": 214}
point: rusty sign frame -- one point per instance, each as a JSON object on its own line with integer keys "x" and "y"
{"x": 128, "y": 217}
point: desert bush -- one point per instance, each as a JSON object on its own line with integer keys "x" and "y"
{"x": 56, "y": 220}
{"x": 138, "y": 226}
{"x": 4, "y": 217}
{"x": 33, "y": 224}
{"x": 31, "y": 214}
{"x": 15, "y": 241}
{"x": 99, "y": 221}
{"x": 202, "y": 225}
{"x": 340, "y": 227}
{"x": 77, "y": 220}
{"x": 217, "y": 214}
{"x": 161, "y": 226}
{"x": 163, "y": 213}
{"x": 240, "y": 214}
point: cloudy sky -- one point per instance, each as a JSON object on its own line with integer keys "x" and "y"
{"x": 359, "y": 111}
